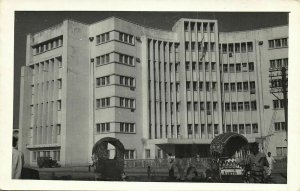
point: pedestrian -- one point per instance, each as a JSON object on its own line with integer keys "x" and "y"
{"x": 271, "y": 161}
{"x": 171, "y": 165}
{"x": 17, "y": 160}
{"x": 148, "y": 171}
{"x": 257, "y": 162}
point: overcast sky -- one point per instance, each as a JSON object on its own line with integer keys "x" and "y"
{"x": 34, "y": 21}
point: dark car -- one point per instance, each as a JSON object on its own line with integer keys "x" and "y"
{"x": 46, "y": 162}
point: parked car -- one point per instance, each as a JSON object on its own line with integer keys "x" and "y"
{"x": 47, "y": 162}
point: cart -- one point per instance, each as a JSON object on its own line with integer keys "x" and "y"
{"x": 229, "y": 152}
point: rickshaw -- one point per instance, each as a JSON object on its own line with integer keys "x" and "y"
{"x": 229, "y": 155}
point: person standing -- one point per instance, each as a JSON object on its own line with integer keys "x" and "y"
{"x": 271, "y": 161}
{"x": 17, "y": 160}
{"x": 171, "y": 165}
{"x": 257, "y": 162}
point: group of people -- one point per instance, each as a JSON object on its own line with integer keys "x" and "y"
{"x": 259, "y": 164}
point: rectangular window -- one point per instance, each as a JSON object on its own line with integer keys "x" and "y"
{"x": 224, "y": 48}
{"x": 58, "y": 105}
{"x": 231, "y": 67}
{"x": 187, "y": 66}
{"x": 200, "y": 86}
{"x": 214, "y": 86}
{"x": 234, "y": 128}
{"x": 202, "y": 106}
{"x": 193, "y": 66}
{"x": 216, "y": 129}
{"x": 239, "y": 86}
{"x": 237, "y": 47}
{"x": 243, "y": 47}
{"x": 246, "y": 106}
{"x": 226, "y": 87}
{"x": 227, "y": 106}
{"x": 98, "y": 128}
{"x": 232, "y": 87}
{"x": 240, "y": 106}
{"x": 147, "y": 153}
{"x": 230, "y": 48}
{"x": 254, "y": 128}
{"x": 238, "y": 67}
{"x": 205, "y": 27}
{"x": 277, "y": 126}
{"x": 188, "y": 86}
{"x": 251, "y": 66}
{"x": 129, "y": 154}
{"x": 58, "y": 129}
{"x": 271, "y": 44}
{"x": 245, "y": 86}
{"x": 253, "y": 105}
{"x": 272, "y": 64}
{"x": 59, "y": 83}
{"x": 249, "y": 46}
{"x": 195, "y": 86}
{"x": 248, "y": 129}
{"x": 233, "y": 106}
{"x": 213, "y": 66}
{"x": 189, "y": 106}
{"x": 241, "y": 129}
{"x": 284, "y": 42}
{"x": 252, "y": 86}
{"x": 225, "y": 68}
{"x": 228, "y": 128}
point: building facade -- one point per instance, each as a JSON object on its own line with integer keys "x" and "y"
{"x": 156, "y": 91}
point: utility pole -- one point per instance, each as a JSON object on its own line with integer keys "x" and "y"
{"x": 279, "y": 85}
{"x": 285, "y": 98}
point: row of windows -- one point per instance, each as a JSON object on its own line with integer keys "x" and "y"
{"x": 125, "y": 59}
{"x": 202, "y": 106}
{"x": 127, "y": 102}
{"x": 55, "y": 154}
{"x": 48, "y": 45}
{"x": 236, "y": 47}
{"x": 106, "y": 58}
{"x": 240, "y": 86}
{"x": 58, "y": 128}
{"x": 209, "y": 129}
{"x": 102, "y": 38}
{"x": 205, "y": 26}
{"x": 237, "y": 67}
{"x": 124, "y": 102}
{"x": 41, "y": 105}
{"x": 103, "y": 127}
{"x": 102, "y": 81}
{"x": 46, "y": 84}
{"x": 44, "y": 66}
{"x": 277, "y": 83}
{"x": 127, "y": 38}
{"x": 127, "y": 127}
{"x": 242, "y": 128}
{"x": 124, "y": 80}
{"x": 103, "y": 59}
{"x": 278, "y": 104}
{"x": 208, "y": 86}
{"x": 124, "y": 127}
{"x": 279, "y": 63}
{"x": 202, "y": 46}
{"x": 129, "y": 154}
{"x": 279, "y": 126}
{"x": 281, "y": 151}
{"x": 278, "y": 43}
{"x": 240, "y": 106}
{"x": 208, "y": 66}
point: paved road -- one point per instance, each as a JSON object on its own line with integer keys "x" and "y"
{"x": 140, "y": 174}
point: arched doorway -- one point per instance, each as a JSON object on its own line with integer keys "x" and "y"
{"x": 110, "y": 169}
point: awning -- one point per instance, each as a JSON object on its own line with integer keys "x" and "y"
{"x": 227, "y": 142}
